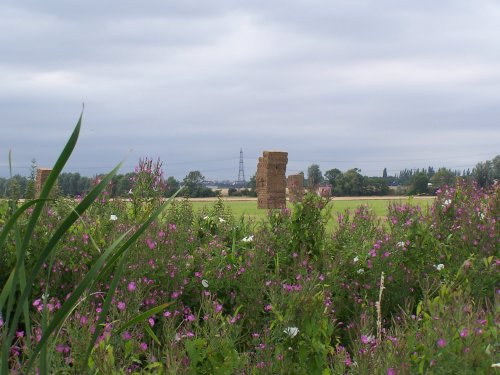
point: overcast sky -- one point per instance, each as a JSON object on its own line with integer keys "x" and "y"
{"x": 344, "y": 84}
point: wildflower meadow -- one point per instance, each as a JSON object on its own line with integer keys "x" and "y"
{"x": 152, "y": 286}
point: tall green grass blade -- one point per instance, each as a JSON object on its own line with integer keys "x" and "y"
{"x": 44, "y": 354}
{"x": 51, "y": 179}
{"x": 3, "y": 235}
{"x": 44, "y": 362}
{"x": 107, "y": 271}
{"x": 26, "y": 311}
{"x": 10, "y": 163}
{"x": 135, "y": 236}
{"x": 22, "y": 285}
{"x": 10, "y": 224}
{"x": 66, "y": 224}
{"x": 106, "y": 305}
{"x": 6, "y": 290}
{"x": 141, "y": 317}
{"x": 60, "y": 231}
{"x": 152, "y": 334}
{"x": 73, "y": 299}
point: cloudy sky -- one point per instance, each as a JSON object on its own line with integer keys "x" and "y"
{"x": 353, "y": 83}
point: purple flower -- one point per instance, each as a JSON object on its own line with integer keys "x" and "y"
{"x": 151, "y": 244}
{"x": 218, "y": 308}
{"x": 441, "y": 343}
{"x": 143, "y": 346}
{"x": 348, "y": 361}
{"x": 367, "y": 339}
{"x": 464, "y": 333}
{"x": 121, "y": 305}
{"x": 131, "y": 286}
{"x": 391, "y": 371}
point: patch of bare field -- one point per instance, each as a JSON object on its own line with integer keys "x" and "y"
{"x": 250, "y": 199}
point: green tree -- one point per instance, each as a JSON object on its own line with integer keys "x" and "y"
{"x": 172, "y": 186}
{"x": 314, "y": 176}
{"x": 3, "y": 187}
{"x": 419, "y": 183}
{"x": 252, "y": 185}
{"x": 194, "y": 184}
{"x": 14, "y": 189}
{"x": 483, "y": 173}
{"x": 442, "y": 177}
{"x": 333, "y": 176}
{"x": 375, "y": 186}
{"x": 352, "y": 182}
{"x": 30, "y": 185}
{"x": 122, "y": 184}
{"x": 496, "y": 167}
{"x": 384, "y": 173}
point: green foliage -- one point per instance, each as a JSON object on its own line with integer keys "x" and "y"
{"x": 307, "y": 226}
{"x": 148, "y": 188}
{"x": 443, "y": 177}
{"x": 17, "y": 290}
{"x": 172, "y": 186}
{"x": 201, "y": 290}
{"x": 314, "y": 176}
{"x": 419, "y": 184}
{"x": 301, "y": 230}
{"x": 194, "y": 186}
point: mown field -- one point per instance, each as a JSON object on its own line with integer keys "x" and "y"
{"x": 378, "y": 205}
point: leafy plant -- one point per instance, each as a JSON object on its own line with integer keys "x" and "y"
{"x": 17, "y": 290}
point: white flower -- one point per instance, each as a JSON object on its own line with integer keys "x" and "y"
{"x": 221, "y": 220}
{"x": 113, "y": 218}
{"x": 291, "y": 331}
{"x": 481, "y": 216}
{"x": 400, "y": 244}
{"x": 204, "y": 283}
{"x": 205, "y": 218}
{"x": 247, "y": 239}
{"x": 439, "y": 267}
{"x": 447, "y": 202}
{"x": 356, "y": 260}
{"x": 361, "y": 271}
{"x": 495, "y": 365}
{"x": 130, "y": 191}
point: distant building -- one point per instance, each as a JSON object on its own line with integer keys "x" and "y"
{"x": 324, "y": 190}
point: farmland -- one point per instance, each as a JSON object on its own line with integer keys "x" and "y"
{"x": 148, "y": 286}
{"x": 379, "y": 205}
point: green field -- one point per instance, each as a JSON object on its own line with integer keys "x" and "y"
{"x": 379, "y": 206}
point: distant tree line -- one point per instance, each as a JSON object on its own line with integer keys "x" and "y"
{"x": 408, "y": 181}
{"x": 348, "y": 183}
{"x": 74, "y": 184}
